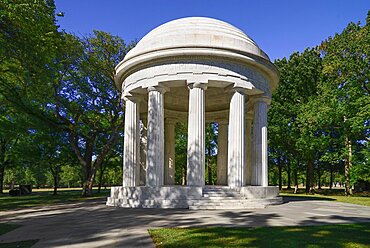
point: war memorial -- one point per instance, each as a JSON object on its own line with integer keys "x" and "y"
{"x": 195, "y": 70}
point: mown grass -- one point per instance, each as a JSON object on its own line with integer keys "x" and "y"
{"x": 343, "y": 235}
{"x": 4, "y": 228}
{"x": 45, "y": 197}
{"x": 329, "y": 195}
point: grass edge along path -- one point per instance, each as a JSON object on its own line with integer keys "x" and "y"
{"x": 340, "y": 235}
{"x": 5, "y": 228}
{"x": 46, "y": 197}
{"x": 359, "y": 200}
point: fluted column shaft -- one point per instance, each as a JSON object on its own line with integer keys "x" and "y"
{"x": 248, "y": 151}
{"x": 222, "y": 153}
{"x": 196, "y": 135}
{"x": 169, "y": 152}
{"x": 131, "y": 149}
{"x": 155, "y": 153}
{"x": 236, "y": 148}
{"x": 260, "y": 156}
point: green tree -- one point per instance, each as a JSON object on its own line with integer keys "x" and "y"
{"x": 345, "y": 95}
{"x": 289, "y": 139}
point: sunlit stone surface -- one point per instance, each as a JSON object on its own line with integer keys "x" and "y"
{"x": 195, "y": 70}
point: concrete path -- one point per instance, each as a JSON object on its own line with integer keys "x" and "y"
{"x": 92, "y": 224}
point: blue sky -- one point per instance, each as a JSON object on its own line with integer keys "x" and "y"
{"x": 279, "y": 27}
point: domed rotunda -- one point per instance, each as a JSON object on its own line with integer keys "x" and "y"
{"x": 195, "y": 70}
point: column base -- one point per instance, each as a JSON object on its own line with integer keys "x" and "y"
{"x": 194, "y": 197}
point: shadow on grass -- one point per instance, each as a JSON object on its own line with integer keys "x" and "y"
{"x": 287, "y": 199}
{"x": 5, "y": 228}
{"x": 42, "y": 198}
{"x": 19, "y": 244}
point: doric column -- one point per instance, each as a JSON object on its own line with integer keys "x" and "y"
{"x": 236, "y": 147}
{"x": 222, "y": 153}
{"x": 143, "y": 147}
{"x": 131, "y": 154}
{"x": 248, "y": 151}
{"x": 260, "y": 156}
{"x": 196, "y": 135}
{"x": 155, "y": 153}
{"x": 169, "y": 152}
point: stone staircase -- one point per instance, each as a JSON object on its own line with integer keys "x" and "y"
{"x": 223, "y": 197}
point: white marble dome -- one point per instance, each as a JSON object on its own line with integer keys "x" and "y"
{"x": 200, "y": 39}
{"x": 194, "y": 32}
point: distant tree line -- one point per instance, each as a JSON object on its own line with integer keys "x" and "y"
{"x": 319, "y": 121}
{"x": 61, "y": 115}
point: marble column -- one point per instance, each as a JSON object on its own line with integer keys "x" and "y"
{"x": 260, "y": 156}
{"x": 169, "y": 152}
{"x": 143, "y": 148}
{"x": 196, "y": 135}
{"x": 248, "y": 151}
{"x": 222, "y": 153}
{"x": 155, "y": 152}
{"x": 236, "y": 147}
{"x": 131, "y": 149}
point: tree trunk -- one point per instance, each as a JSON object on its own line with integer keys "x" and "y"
{"x": 295, "y": 173}
{"x": 288, "y": 172}
{"x": 347, "y": 168}
{"x": 89, "y": 168}
{"x": 309, "y": 176}
{"x": 280, "y": 172}
{"x": 89, "y": 177}
{"x": 55, "y": 173}
{"x": 56, "y": 183}
{"x": 87, "y": 189}
{"x": 2, "y": 172}
{"x": 101, "y": 169}
{"x": 331, "y": 176}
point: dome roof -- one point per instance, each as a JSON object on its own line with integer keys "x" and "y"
{"x": 196, "y": 32}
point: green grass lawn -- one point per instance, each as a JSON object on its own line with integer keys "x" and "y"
{"x": 343, "y": 235}
{"x": 4, "y": 228}
{"x": 330, "y": 195}
{"x": 43, "y": 197}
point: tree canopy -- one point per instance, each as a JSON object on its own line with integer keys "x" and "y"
{"x": 61, "y": 114}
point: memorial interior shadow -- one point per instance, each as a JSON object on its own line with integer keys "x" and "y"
{"x": 92, "y": 221}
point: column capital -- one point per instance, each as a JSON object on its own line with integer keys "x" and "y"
{"x": 233, "y": 89}
{"x": 240, "y": 90}
{"x": 201, "y": 85}
{"x": 160, "y": 88}
{"x": 134, "y": 97}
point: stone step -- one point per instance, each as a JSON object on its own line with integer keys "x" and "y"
{"x": 227, "y": 206}
{"x": 220, "y": 190}
{"x": 220, "y": 197}
{"x": 208, "y": 194}
{"x": 233, "y": 203}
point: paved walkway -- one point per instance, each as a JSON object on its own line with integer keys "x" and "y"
{"x": 92, "y": 224}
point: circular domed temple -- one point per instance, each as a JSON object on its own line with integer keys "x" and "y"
{"x": 195, "y": 70}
